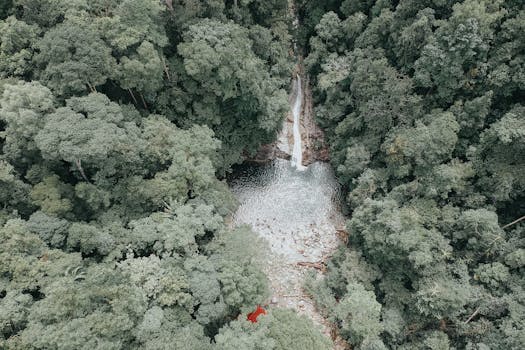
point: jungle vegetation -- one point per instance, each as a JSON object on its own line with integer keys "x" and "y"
{"x": 423, "y": 103}
{"x": 118, "y": 120}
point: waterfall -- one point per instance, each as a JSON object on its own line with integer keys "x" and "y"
{"x": 297, "y": 154}
{"x": 294, "y": 208}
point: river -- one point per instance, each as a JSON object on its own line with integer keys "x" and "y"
{"x": 296, "y": 209}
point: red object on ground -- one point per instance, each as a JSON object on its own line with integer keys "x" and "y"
{"x": 252, "y": 317}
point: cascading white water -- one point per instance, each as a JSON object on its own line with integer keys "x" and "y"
{"x": 297, "y": 154}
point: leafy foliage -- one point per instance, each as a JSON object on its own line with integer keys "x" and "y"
{"x": 151, "y": 55}
{"x": 426, "y": 132}
{"x": 281, "y": 329}
{"x": 115, "y": 118}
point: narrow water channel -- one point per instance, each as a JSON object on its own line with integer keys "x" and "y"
{"x": 297, "y": 153}
{"x": 296, "y": 209}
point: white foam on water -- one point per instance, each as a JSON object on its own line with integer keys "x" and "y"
{"x": 297, "y": 154}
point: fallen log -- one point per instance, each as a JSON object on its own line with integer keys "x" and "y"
{"x": 319, "y": 265}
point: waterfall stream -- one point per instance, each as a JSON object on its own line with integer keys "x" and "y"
{"x": 297, "y": 154}
{"x": 295, "y": 209}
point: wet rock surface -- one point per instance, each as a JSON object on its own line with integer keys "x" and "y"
{"x": 315, "y": 149}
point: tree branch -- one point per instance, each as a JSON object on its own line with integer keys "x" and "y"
{"x": 143, "y": 101}
{"x": 78, "y": 163}
{"x": 133, "y": 96}
{"x": 472, "y": 316}
{"x": 169, "y": 4}
{"x": 166, "y": 70}
{"x": 91, "y": 87}
{"x": 514, "y": 222}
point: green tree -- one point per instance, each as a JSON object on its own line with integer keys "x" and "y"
{"x": 23, "y": 108}
{"x": 498, "y": 156}
{"x": 5, "y": 8}
{"x": 237, "y": 96}
{"x": 454, "y": 59}
{"x": 73, "y": 58}
{"x": 17, "y": 47}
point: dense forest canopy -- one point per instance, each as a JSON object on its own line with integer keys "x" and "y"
{"x": 221, "y": 64}
{"x": 423, "y": 103}
{"x": 118, "y": 117}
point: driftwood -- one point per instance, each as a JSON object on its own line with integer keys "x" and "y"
{"x": 319, "y": 265}
{"x": 294, "y": 296}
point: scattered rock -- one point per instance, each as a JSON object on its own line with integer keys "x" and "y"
{"x": 281, "y": 154}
